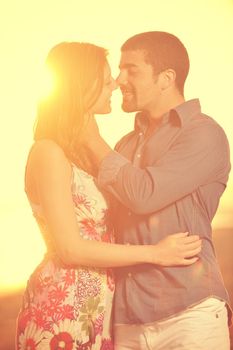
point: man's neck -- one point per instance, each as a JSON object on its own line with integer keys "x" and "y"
{"x": 156, "y": 114}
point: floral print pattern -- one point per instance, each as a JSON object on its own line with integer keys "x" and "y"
{"x": 65, "y": 307}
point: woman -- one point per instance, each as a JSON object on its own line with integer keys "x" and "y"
{"x": 68, "y": 300}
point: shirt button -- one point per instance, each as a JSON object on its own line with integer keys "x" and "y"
{"x": 139, "y": 155}
{"x": 129, "y": 213}
{"x": 129, "y": 274}
{"x": 127, "y": 243}
{"x": 140, "y": 134}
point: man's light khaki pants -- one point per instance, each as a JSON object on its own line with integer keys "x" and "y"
{"x": 203, "y": 326}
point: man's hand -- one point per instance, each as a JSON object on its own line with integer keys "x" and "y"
{"x": 91, "y": 132}
{"x": 94, "y": 144}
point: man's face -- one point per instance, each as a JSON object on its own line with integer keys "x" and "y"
{"x": 138, "y": 83}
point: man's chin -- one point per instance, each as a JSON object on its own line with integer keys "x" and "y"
{"x": 126, "y": 107}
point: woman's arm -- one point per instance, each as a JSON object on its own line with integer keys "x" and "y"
{"x": 52, "y": 173}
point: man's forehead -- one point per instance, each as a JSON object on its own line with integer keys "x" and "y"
{"x": 132, "y": 57}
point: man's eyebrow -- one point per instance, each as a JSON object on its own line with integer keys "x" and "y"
{"x": 127, "y": 65}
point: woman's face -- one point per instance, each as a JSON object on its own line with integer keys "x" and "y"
{"x": 103, "y": 103}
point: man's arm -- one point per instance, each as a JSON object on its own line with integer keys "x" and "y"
{"x": 197, "y": 158}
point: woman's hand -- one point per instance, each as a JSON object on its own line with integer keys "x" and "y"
{"x": 177, "y": 249}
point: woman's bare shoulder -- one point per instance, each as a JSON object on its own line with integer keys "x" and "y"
{"x": 47, "y": 153}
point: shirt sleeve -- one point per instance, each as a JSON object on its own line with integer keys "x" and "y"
{"x": 110, "y": 167}
{"x": 197, "y": 158}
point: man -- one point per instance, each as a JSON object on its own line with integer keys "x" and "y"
{"x": 168, "y": 175}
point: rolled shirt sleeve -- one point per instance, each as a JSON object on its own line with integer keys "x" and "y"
{"x": 110, "y": 167}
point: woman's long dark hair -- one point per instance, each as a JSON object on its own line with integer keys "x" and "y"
{"x": 77, "y": 70}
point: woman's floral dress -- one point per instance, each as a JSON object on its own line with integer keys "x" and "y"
{"x": 65, "y": 307}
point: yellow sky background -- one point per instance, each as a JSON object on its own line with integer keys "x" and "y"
{"x": 28, "y": 29}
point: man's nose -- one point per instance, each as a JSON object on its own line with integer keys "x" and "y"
{"x": 121, "y": 79}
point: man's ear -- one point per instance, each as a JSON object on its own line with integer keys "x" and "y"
{"x": 167, "y": 79}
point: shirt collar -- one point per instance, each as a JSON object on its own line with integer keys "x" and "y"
{"x": 178, "y": 116}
